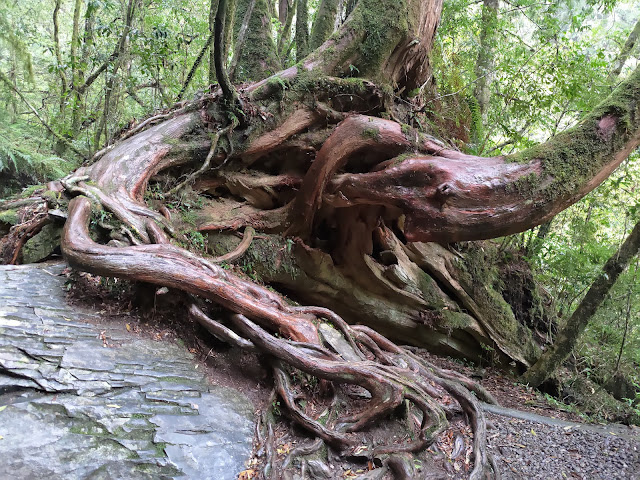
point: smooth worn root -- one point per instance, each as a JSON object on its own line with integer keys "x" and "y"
{"x": 409, "y": 377}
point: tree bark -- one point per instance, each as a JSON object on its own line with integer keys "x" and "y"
{"x": 110, "y": 81}
{"x": 258, "y": 57}
{"x": 470, "y": 198}
{"x": 324, "y": 23}
{"x": 343, "y": 202}
{"x": 383, "y": 40}
{"x": 484, "y": 64}
{"x": 575, "y": 325}
{"x": 302, "y": 29}
{"x": 624, "y": 54}
{"x": 213, "y": 7}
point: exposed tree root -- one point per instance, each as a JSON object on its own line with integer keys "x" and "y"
{"x": 355, "y": 188}
{"x": 36, "y": 217}
{"x": 390, "y": 373}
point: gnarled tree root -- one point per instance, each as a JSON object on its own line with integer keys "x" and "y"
{"x": 389, "y": 373}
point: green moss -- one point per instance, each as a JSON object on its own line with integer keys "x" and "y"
{"x": 258, "y": 58}
{"x": 324, "y": 23}
{"x": 479, "y": 276}
{"x": 526, "y": 185}
{"x": 159, "y": 449}
{"x": 29, "y": 191}
{"x": 384, "y": 23}
{"x": 171, "y": 379}
{"x": 9, "y": 216}
{"x": 572, "y": 158}
{"x": 455, "y": 320}
{"x": 372, "y": 133}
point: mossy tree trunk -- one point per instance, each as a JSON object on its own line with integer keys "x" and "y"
{"x": 302, "y": 29}
{"x": 258, "y": 57}
{"x": 345, "y": 198}
{"x": 324, "y": 23}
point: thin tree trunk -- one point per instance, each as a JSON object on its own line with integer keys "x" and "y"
{"x": 117, "y": 51}
{"x": 484, "y": 64}
{"x": 228, "y": 91}
{"x": 302, "y": 30}
{"x": 78, "y": 97}
{"x": 213, "y": 7}
{"x": 196, "y": 64}
{"x": 242, "y": 36}
{"x": 575, "y": 325}
{"x": 624, "y": 53}
{"x": 285, "y": 34}
{"x": 229, "y": 27}
{"x": 12, "y": 82}
{"x": 110, "y": 81}
{"x": 56, "y": 46}
{"x": 324, "y": 23}
{"x": 63, "y": 140}
{"x": 283, "y": 10}
{"x": 75, "y": 41}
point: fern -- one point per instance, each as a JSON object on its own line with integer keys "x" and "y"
{"x": 20, "y": 158}
{"x": 12, "y": 158}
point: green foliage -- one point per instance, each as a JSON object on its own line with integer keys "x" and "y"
{"x": 550, "y": 62}
{"x": 570, "y": 258}
{"x": 23, "y": 161}
{"x": 197, "y": 241}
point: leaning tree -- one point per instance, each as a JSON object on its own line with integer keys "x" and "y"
{"x": 346, "y": 205}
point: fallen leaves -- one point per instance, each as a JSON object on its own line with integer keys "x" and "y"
{"x": 284, "y": 449}
{"x": 248, "y": 474}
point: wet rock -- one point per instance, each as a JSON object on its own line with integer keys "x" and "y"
{"x": 85, "y": 400}
{"x": 43, "y": 244}
{"x": 318, "y": 470}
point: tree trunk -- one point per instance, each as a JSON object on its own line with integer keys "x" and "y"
{"x": 575, "y": 325}
{"x": 258, "y": 57}
{"x": 112, "y": 76}
{"x": 379, "y": 41}
{"x": 484, "y": 64}
{"x": 344, "y": 202}
{"x": 283, "y": 11}
{"x": 78, "y": 96}
{"x": 324, "y": 23}
{"x": 213, "y": 7}
{"x": 302, "y": 29}
{"x": 625, "y": 53}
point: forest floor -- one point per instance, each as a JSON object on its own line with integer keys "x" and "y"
{"x": 548, "y": 441}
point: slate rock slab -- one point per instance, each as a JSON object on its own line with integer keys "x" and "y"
{"x": 81, "y": 399}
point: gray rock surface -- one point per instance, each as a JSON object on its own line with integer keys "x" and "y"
{"x": 43, "y": 244}
{"x": 82, "y": 398}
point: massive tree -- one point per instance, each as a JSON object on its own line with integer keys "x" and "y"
{"x": 346, "y": 206}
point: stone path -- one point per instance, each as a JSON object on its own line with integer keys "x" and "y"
{"x": 84, "y": 399}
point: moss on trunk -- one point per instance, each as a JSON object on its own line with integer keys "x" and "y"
{"x": 258, "y": 58}
{"x": 324, "y": 23}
